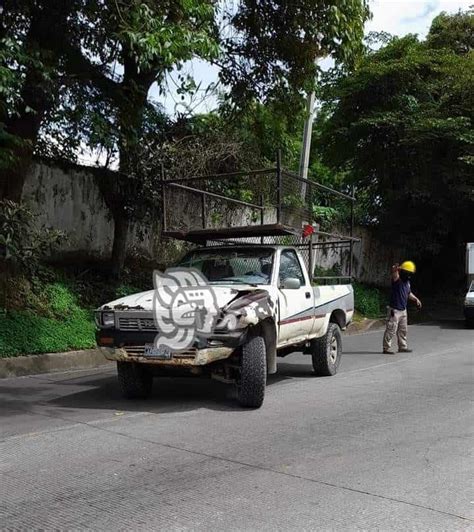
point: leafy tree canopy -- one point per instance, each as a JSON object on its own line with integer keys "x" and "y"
{"x": 400, "y": 126}
{"x": 454, "y": 33}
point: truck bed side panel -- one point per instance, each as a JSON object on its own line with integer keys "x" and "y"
{"x": 328, "y": 299}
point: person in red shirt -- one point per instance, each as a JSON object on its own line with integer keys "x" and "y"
{"x": 397, "y": 319}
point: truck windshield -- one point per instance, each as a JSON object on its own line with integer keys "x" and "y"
{"x": 233, "y": 266}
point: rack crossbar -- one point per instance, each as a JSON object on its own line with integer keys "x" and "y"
{"x": 340, "y": 238}
{"x": 317, "y": 185}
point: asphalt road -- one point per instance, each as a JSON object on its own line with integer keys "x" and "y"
{"x": 385, "y": 444}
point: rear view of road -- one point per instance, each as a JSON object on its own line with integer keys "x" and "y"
{"x": 384, "y": 444}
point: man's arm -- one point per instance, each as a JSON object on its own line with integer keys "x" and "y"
{"x": 395, "y": 272}
{"x": 412, "y": 297}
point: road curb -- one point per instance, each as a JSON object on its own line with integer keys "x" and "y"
{"x": 51, "y": 363}
{"x": 364, "y": 326}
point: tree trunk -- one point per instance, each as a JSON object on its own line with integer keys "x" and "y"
{"x": 25, "y": 128}
{"x": 38, "y": 93}
{"x": 135, "y": 88}
{"x": 13, "y": 179}
{"x": 119, "y": 249}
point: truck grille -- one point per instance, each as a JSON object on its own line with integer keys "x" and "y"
{"x": 136, "y": 324}
{"x": 138, "y": 350}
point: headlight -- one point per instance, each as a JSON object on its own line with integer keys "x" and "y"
{"x": 469, "y": 302}
{"x": 108, "y": 319}
{"x": 105, "y": 319}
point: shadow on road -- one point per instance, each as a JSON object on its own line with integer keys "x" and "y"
{"x": 101, "y": 392}
{"x": 177, "y": 394}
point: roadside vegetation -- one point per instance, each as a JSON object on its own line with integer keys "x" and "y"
{"x": 370, "y": 302}
{"x": 53, "y": 310}
{"x": 50, "y": 322}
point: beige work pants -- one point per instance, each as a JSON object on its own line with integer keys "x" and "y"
{"x": 396, "y": 325}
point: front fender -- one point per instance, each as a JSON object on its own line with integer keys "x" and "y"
{"x": 248, "y": 308}
{"x": 255, "y": 311}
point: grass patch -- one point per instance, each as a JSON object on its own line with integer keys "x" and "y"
{"x": 22, "y": 332}
{"x": 55, "y": 312}
{"x": 57, "y": 324}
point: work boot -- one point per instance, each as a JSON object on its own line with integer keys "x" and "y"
{"x": 405, "y": 350}
{"x": 388, "y": 352}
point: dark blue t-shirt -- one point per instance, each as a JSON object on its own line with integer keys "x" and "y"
{"x": 399, "y": 295}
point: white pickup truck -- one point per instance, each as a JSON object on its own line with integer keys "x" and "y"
{"x": 275, "y": 311}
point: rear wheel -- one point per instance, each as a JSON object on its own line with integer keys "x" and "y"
{"x": 253, "y": 373}
{"x": 326, "y": 351}
{"x": 134, "y": 380}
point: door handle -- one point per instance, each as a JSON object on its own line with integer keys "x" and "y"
{"x": 308, "y": 295}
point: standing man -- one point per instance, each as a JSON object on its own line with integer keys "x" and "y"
{"x": 397, "y": 311}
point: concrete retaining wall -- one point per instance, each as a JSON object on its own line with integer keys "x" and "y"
{"x": 68, "y": 199}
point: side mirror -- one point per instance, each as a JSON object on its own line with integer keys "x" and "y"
{"x": 290, "y": 283}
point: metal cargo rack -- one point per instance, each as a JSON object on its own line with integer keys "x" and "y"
{"x": 266, "y": 206}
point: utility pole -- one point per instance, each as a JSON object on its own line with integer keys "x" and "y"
{"x": 304, "y": 165}
{"x": 307, "y": 132}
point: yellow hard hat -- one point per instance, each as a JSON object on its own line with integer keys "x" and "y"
{"x": 408, "y": 266}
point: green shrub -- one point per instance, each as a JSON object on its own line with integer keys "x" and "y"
{"x": 59, "y": 325}
{"x": 326, "y": 217}
{"x": 61, "y": 300}
{"x": 369, "y": 301}
{"x": 22, "y": 244}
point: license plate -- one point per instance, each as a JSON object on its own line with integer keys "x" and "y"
{"x": 162, "y": 353}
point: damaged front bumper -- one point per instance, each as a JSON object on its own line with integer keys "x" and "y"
{"x": 199, "y": 357}
{"x": 130, "y": 347}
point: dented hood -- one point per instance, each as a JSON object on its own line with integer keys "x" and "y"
{"x": 144, "y": 300}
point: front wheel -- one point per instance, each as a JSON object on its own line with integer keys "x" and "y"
{"x": 326, "y": 351}
{"x": 253, "y": 373}
{"x": 134, "y": 380}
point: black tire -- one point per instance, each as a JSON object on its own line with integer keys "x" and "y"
{"x": 253, "y": 373}
{"x": 134, "y": 380}
{"x": 326, "y": 352}
{"x": 470, "y": 323}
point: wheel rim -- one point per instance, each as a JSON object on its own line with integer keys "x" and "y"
{"x": 333, "y": 349}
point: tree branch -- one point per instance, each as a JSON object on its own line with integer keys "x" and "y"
{"x": 83, "y": 69}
